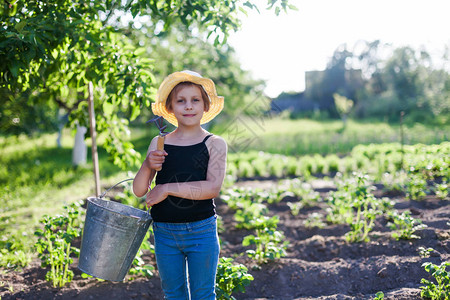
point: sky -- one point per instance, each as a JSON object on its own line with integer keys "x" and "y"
{"x": 279, "y": 49}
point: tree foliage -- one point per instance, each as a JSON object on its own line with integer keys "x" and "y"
{"x": 338, "y": 78}
{"x": 50, "y": 50}
{"x": 408, "y": 82}
{"x": 184, "y": 48}
{"x": 384, "y": 81}
{"x": 343, "y": 106}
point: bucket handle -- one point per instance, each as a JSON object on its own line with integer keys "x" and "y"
{"x": 104, "y": 193}
{"x": 128, "y": 179}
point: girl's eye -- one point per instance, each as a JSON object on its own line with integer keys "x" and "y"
{"x": 180, "y": 100}
{"x": 195, "y": 99}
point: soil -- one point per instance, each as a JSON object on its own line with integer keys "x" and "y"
{"x": 320, "y": 263}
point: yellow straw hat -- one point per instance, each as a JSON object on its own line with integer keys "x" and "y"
{"x": 159, "y": 107}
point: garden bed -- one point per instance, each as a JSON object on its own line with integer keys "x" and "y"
{"x": 320, "y": 262}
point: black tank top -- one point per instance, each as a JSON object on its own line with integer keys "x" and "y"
{"x": 184, "y": 164}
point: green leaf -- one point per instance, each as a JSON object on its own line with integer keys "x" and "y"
{"x": 14, "y": 69}
{"x": 140, "y": 51}
{"x": 84, "y": 275}
{"x": 135, "y": 111}
{"x": 108, "y": 108}
{"x": 19, "y": 26}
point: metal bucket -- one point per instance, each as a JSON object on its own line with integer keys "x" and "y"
{"x": 112, "y": 235}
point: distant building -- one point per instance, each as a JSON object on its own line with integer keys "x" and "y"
{"x": 319, "y": 89}
{"x": 295, "y": 102}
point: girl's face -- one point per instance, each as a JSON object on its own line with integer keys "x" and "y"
{"x": 188, "y": 106}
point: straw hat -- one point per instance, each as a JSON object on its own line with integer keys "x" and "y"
{"x": 159, "y": 107}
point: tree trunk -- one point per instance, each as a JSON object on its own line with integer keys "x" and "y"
{"x": 79, "y": 153}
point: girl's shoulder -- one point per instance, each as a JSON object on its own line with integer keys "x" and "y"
{"x": 215, "y": 138}
{"x": 215, "y": 141}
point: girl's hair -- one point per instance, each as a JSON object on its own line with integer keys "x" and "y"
{"x": 181, "y": 85}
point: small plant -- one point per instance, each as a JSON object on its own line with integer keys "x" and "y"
{"x": 416, "y": 187}
{"x": 404, "y": 225}
{"x": 363, "y": 221}
{"x": 304, "y": 192}
{"x": 424, "y": 253}
{"x": 354, "y": 204}
{"x": 14, "y": 249}
{"x": 386, "y": 205}
{"x": 438, "y": 291}
{"x": 249, "y": 212}
{"x": 15, "y": 259}
{"x": 276, "y": 167}
{"x": 365, "y": 208}
{"x": 314, "y": 220}
{"x": 232, "y": 197}
{"x": 270, "y": 196}
{"x": 9, "y": 287}
{"x": 248, "y": 204}
{"x": 54, "y": 244}
{"x": 441, "y": 190}
{"x": 379, "y": 296}
{"x": 339, "y": 210}
{"x": 138, "y": 267}
{"x": 394, "y": 182}
{"x": 246, "y": 170}
{"x": 295, "y": 207}
{"x": 268, "y": 241}
{"x": 231, "y": 278}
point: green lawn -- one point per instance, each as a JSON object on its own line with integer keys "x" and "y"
{"x": 38, "y": 178}
{"x": 299, "y": 137}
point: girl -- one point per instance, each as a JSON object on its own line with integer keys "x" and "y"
{"x": 192, "y": 171}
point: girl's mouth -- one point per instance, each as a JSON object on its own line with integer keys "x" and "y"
{"x": 188, "y": 115}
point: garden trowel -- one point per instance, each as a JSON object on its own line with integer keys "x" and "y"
{"x": 158, "y": 120}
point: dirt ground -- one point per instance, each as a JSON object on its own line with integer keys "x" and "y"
{"x": 320, "y": 263}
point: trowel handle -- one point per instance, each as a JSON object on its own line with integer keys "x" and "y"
{"x": 160, "y": 145}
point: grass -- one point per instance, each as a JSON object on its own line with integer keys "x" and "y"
{"x": 299, "y": 137}
{"x": 38, "y": 178}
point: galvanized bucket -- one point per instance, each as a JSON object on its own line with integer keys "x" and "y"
{"x": 112, "y": 235}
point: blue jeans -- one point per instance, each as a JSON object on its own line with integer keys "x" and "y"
{"x": 187, "y": 255}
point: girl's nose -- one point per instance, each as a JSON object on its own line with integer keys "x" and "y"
{"x": 188, "y": 105}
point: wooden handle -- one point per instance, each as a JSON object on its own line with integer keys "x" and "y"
{"x": 160, "y": 145}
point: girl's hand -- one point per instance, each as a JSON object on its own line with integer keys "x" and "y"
{"x": 156, "y": 195}
{"x": 155, "y": 159}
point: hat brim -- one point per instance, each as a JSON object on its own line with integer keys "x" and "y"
{"x": 215, "y": 108}
{"x": 159, "y": 107}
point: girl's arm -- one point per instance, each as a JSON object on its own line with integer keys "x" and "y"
{"x": 146, "y": 173}
{"x": 197, "y": 190}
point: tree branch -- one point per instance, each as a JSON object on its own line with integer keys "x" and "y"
{"x": 113, "y": 7}
{"x": 64, "y": 106}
